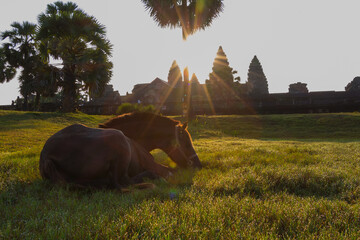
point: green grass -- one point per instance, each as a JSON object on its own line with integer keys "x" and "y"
{"x": 264, "y": 177}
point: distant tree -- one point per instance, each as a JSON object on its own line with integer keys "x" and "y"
{"x": 46, "y": 81}
{"x": 69, "y": 34}
{"x": 221, "y": 79}
{"x": 236, "y": 79}
{"x": 190, "y": 15}
{"x": 257, "y": 83}
{"x": 129, "y": 107}
{"x": 20, "y": 52}
{"x": 354, "y": 85}
{"x": 174, "y": 76}
{"x": 7, "y": 72}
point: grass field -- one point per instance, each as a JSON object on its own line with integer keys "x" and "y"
{"x": 264, "y": 177}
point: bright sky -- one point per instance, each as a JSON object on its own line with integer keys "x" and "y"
{"x": 316, "y": 42}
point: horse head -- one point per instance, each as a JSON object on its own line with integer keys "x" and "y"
{"x": 158, "y": 132}
{"x": 181, "y": 150}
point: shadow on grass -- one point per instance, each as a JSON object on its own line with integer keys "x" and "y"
{"x": 304, "y": 184}
{"x": 11, "y": 120}
{"x": 23, "y": 120}
{"x": 300, "y": 127}
{"x": 20, "y": 194}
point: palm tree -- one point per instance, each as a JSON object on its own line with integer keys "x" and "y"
{"x": 190, "y": 15}
{"x": 68, "y": 34}
{"x": 20, "y": 52}
{"x": 7, "y": 72}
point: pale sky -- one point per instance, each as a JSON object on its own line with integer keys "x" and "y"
{"x": 312, "y": 41}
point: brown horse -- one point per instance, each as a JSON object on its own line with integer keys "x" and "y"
{"x": 97, "y": 157}
{"x": 153, "y": 131}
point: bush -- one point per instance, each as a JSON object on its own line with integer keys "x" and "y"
{"x": 128, "y": 107}
{"x": 125, "y": 108}
{"x": 148, "y": 108}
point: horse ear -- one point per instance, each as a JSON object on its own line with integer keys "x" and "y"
{"x": 184, "y": 126}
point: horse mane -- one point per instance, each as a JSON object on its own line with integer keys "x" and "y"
{"x": 142, "y": 117}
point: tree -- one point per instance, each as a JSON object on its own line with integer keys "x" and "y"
{"x": 7, "y": 72}
{"x": 221, "y": 79}
{"x": 68, "y": 34}
{"x": 174, "y": 76}
{"x": 46, "y": 81}
{"x": 354, "y": 85}
{"x": 20, "y": 52}
{"x": 257, "y": 83}
{"x": 190, "y": 15}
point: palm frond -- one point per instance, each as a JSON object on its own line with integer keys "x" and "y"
{"x": 190, "y": 15}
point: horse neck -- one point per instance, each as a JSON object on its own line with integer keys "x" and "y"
{"x": 152, "y": 141}
{"x": 148, "y": 136}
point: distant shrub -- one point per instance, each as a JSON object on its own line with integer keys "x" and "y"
{"x": 125, "y": 108}
{"x": 148, "y": 108}
{"x": 129, "y": 107}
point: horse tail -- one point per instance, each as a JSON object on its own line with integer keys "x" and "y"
{"x": 48, "y": 169}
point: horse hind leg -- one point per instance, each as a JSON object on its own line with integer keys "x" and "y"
{"x": 119, "y": 178}
{"x": 51, "y": 171}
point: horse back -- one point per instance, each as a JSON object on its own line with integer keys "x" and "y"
{"x": 80, "y": 153}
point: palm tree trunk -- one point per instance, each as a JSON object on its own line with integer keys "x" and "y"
{"x": 184, "y": 16}
{"x": 25, "y": 105}
{"x": 69, "y": 92}
{"x": 37, "y": 100}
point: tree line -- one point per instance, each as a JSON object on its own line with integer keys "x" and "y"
{"x": 66, "y": 52}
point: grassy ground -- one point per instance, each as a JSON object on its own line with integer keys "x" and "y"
{"x": 272, "y": 176}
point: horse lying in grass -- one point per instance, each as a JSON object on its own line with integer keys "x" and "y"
{"x": 157, "y": 132}
{"x": 97, "y": 157}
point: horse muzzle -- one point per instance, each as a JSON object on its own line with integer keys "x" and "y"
{"x": 194, "y": 161}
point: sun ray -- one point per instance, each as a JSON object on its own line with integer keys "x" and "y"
{"x": 183, "y": 21}
{"x": 234, "y": 94}
{"x": 209, "y": 99}
{"x": 166, "y": 95}
{"x": 188, "y": 100}
{"x": 219, "y": 80}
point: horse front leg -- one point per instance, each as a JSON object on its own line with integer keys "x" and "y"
{"x": 142, "y": 176}
{"x": 155, "y": 168}
{"x": 147, "y": 162}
